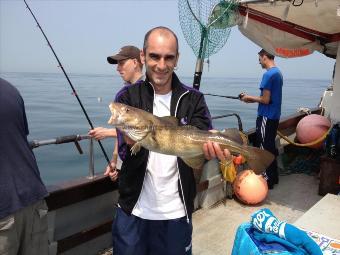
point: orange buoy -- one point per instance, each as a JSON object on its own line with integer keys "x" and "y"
{"x": 311, "y": 128}
{"x": 238, "y": 160}
{"x": 250, "y": 188}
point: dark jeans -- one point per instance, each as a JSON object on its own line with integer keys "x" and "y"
{"x": 265, "y": 139}
{"x": 132, "y": 235}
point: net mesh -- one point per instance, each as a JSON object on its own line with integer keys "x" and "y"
{"x": 206, "y": 24}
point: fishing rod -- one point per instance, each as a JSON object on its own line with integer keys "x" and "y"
{"x": 230, "y": 97}
{"x": 69, "y": 81}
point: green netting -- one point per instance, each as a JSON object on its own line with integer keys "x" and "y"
{"x": 299, "y": 160}
{"x": 206, "y": 24}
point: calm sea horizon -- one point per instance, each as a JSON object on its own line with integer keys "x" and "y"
{"x": 52, "y": 110}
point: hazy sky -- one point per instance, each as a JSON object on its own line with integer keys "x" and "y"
{"x": 84, "y": 33}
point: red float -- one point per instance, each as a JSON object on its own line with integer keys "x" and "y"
{"x": 250, "y": 188}
{"x": 311, "y": 128}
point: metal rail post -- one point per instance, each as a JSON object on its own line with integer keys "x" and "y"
{"x": 91, "y": 160}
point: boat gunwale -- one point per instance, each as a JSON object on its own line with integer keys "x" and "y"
{"x": 73, "y": 191}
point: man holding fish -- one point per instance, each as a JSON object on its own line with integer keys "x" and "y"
{"x": 157, "y": 190}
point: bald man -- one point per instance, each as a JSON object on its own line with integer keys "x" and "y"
{"x": 157, "y": 191}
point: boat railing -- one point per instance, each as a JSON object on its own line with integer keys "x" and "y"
{"x": 73, "y": 204}
{"x": 77, "y": 137}
{"x": 70, "y": 139}
{"x": 239, "y": 122}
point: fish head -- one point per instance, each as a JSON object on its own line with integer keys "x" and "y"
{"x": 132, "y": 121}
{"x": 125, "y": 115}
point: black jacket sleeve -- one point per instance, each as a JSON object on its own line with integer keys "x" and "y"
{"x": 201, "y": 117}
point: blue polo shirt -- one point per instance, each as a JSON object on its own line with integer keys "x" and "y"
{"x": 272, "y": 80}
{"x": 20, "y": 182}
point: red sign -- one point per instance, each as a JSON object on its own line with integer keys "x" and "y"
{"x": 292, "y": 53}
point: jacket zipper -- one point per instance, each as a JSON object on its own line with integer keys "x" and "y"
{"x": 179, "y": 175}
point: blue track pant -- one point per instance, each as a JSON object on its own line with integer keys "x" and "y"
{"x": 135, "y": 236}
{"x": 266, "y": 130}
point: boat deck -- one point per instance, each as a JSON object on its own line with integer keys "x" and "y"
{"x": 215, "y": 228}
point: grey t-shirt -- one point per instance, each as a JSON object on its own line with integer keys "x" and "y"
{"x": 20, "y": 182}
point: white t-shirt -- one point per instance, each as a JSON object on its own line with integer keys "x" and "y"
{"x": 159, "y": 198}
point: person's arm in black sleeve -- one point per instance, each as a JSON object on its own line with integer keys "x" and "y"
{"x": 201, "y": 117}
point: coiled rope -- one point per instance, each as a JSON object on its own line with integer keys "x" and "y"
{"x": 320, "y": 139}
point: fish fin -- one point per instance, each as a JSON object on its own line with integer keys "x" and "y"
{"x": 135, "y": 148}
{"x": 258, "y": 160}
{"x": 194, "y": 162}
{"x": 111, "y": 121}
{"x": 235, "y": 135}
{"x": 169, "y": 120}
{"x": 189, "y": 127}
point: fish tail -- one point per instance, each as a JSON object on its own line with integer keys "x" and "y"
{"x": 258, "y": 159}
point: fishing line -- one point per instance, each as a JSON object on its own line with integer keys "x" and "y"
{"x": 69, "y": 81}
{"x": 230, "y": 97}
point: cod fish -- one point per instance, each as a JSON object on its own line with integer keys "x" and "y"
{"x": 164, "y": 135}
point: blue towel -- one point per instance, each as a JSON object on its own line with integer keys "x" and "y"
{"x": 272, "y": 229}
{"x": 271, "y": 238}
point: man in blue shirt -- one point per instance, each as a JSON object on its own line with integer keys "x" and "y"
{"x": 269, "y": 111}
{"x": 23, "y": 211}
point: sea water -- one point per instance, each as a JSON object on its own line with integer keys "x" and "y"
{"x": 52, "y": 110}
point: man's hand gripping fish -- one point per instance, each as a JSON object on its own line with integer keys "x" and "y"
{"x": 164, "y": 135}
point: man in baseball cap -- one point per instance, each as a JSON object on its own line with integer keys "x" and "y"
{"x": 126, "y": 52}
{"x": 128, "y": 62}
{"x": 130, "y": 68}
